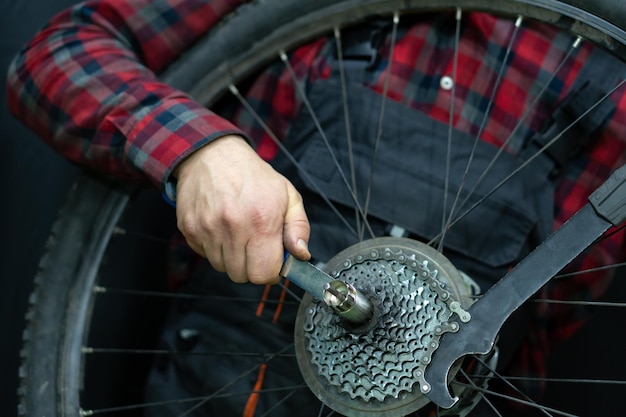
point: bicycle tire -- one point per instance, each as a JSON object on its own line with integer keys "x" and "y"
{"x": 49, "y": 384}
{"x": 91, "y": 210}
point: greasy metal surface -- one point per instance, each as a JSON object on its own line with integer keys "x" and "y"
{"x": 417, "y": 296}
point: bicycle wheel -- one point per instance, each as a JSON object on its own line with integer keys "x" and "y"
{"x": 59, "y": 354}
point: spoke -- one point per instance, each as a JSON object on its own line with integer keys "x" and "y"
{"x": 346, "y": 115}
{"x": 185, "y": 400}
{"x": 290, "y": 292}
{"x": 455, "y": 63}
{"x": 282, "y": 147}
{"x": 490, "y": 404}
{"x": 594, "y": 381}
{"x": 278, "y": 403}
{"x": 529, "y": 160}
{"x": 604, "y": 237}
{"x": 519, "y": 124}
{"x": 320, "y": 130}
{"x": 234, "y": 381}
{"x": 94, "y": 350}
{"x": 510, "y": 385}
{"x": 582, "y": 303}
{"x": 482, "y": 396}
{"x": 177, "y": 295}
{"x": 585, "y": 271}
{"x": 517, "y": 400}
{"x": 483, "y": 124}
{"x": 381, "y": 115}
{"x": 139, "y": 406}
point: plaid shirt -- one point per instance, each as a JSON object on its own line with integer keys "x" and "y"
{"x": 87, "y": 84}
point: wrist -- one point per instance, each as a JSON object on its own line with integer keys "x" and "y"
{"x": 218, "y": 148}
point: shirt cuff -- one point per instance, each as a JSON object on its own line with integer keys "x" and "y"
{"x": 168, "y": 134}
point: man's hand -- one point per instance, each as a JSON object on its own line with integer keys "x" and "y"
{"x": 238, "y": 212}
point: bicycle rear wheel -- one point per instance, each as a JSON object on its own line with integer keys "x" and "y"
{"x": 57, "y": 346}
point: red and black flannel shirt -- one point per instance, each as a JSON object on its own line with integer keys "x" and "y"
{"x": 87, "y": 84}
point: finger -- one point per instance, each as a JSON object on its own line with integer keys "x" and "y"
{"x": 206, "y": 247}
{"x": 234, "y": 256}
{"x": 297, "y": 229}
{"x": 212, "y": 253}
{"x": 265, "y": 259}
{"x": 215, "y": 256}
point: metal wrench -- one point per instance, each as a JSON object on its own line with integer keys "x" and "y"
{"x": 606, "y": 208}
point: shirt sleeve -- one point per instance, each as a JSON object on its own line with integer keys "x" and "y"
{"x": 87, "y": 84}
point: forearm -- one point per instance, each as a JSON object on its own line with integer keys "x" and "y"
{"x": 87, "y": 85}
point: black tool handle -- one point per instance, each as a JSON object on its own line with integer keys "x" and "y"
{"x": 606, "y": 208}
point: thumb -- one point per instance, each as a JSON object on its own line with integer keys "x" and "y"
{"x": 296, "y": 230}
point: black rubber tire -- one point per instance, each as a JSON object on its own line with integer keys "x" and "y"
{"x": 60, "y": 300}
{"x": 50, "y": 372}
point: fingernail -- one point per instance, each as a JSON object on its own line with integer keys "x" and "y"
{"x": 302, "y": 245}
